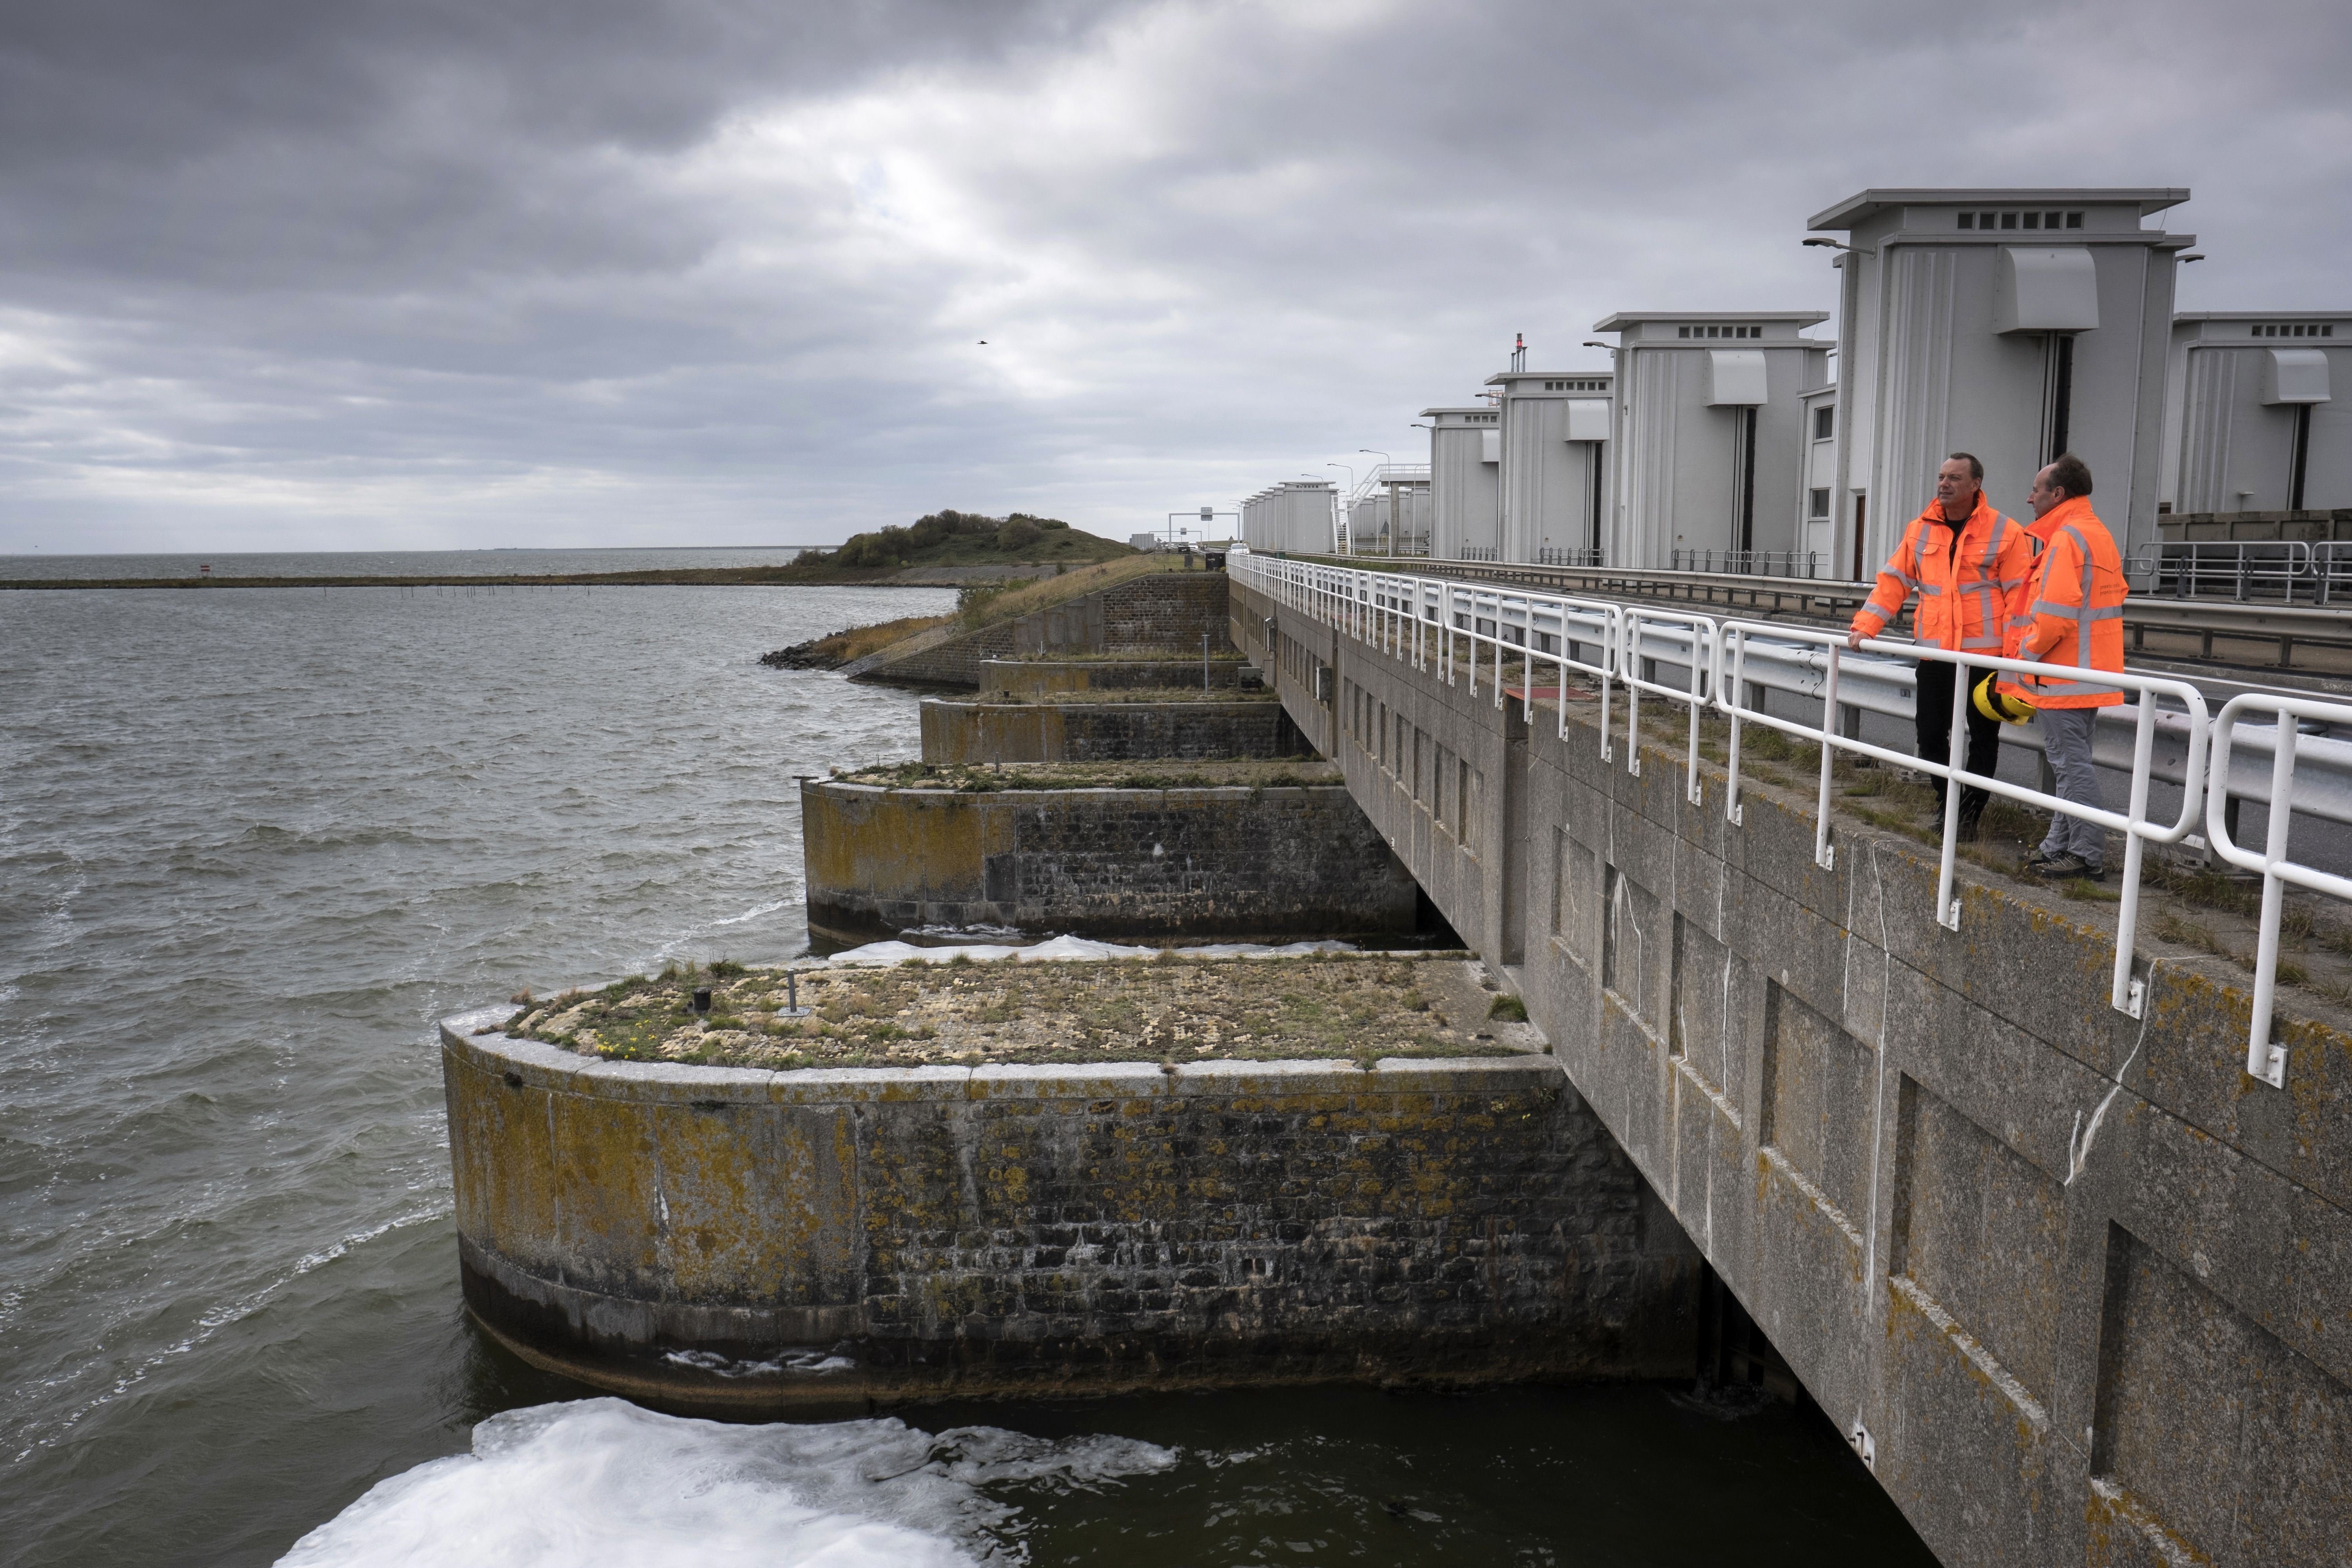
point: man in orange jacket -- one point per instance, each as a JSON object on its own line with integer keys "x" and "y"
{"x": 2073, "y": 615}
{"x": 1968, "y": 564}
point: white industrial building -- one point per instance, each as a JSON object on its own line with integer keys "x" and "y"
{"x": 2014, "y": 325}
{"x": 2254, "y": 426}
{"x": 1814, "y": 525}
{"x": 1296, "y": 516}
{"x": 1466, "y": 456}
{"x": 1712, "y": 437}
{"x": 1406, "y": 487}
{"x": 1552, "y": 478}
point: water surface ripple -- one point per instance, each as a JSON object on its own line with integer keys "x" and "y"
{"x": 252, "y": 844}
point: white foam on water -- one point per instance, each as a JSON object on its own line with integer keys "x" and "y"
{"x": 1071, "y": 947}
{"x": 601, "y": 1481}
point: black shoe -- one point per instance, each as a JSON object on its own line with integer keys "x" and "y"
{"x": 2067, "y": 868}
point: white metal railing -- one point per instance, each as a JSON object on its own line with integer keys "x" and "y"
{"x": 2187, "y": 568}
{"x": 2172, "y": 738}
{"x": 2127, "y": 994}
{"x": 2265, "y": 1058}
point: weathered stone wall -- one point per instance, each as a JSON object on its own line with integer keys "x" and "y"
{"x": 956, "y": 731}
{"x": 727, "y": 1238}
{"x": 1045, "y": 676}
{"x": 2081, "y": 1287}
{"x": 1273, "y": 862}
{"x": 1157, "y": 612}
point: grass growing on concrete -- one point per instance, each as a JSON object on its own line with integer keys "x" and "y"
{"x": 1169, "y": 1009}
{"x": 1014, "y": 603}
{"x": 845, "y": 647}
{"x": 964, "y": 778}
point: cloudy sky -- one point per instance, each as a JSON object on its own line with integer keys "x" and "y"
{"x": 319, "y": 274}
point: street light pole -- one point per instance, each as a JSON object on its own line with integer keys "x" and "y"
{"x": 1351, "y": 472}
{"x": 1389, "y": 463}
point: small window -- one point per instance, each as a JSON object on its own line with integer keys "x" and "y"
{"x": 1984, "y": 220}
{"x": 2033, "y": 220}
{"x": 1824, "y": 425}
{"x": 1820, "y": 508}
{"x": 2009, "y": 220}
{"x": 2073, "y": 220}
{"x": 1684, "y": 331}
{"x": 1967, "y": 220}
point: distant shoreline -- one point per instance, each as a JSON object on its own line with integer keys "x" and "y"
{"x": 684, "y": 576}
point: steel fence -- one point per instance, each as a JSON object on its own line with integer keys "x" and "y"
{"x": 1728, "y": 663}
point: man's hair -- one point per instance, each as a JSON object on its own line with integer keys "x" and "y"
{"x": 1976, "y": 469}
{"x": 2071, "y": 474}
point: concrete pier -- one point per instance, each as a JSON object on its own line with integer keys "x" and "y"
{"x": 728, "y": 1239}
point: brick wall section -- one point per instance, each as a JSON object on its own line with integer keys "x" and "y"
{"x": 1157, "y": 612}
{"x": 2082, "y": 1281}
{"x": 1278, "y": 863}
{"x": 1038, "y": 677}
{"x": 1007, "y": 1230}
{"x": 1106, "y": 731}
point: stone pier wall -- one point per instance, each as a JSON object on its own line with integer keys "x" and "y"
{"x": 1273, "y": 863}
{"x": 956, "y": 731}
{"x": 728, "y": 1239}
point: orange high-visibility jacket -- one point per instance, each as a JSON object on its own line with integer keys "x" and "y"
{"x": 1966, "y": 598}
{"x": 2074, "y": 610}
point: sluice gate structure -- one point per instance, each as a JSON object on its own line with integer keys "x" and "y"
{"x": 2057, "y": 1227}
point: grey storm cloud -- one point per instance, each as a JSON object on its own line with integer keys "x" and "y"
{"x": 570, "y": 272}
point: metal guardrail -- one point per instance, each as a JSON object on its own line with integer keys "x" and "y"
{"x": 2266, "y": 1058}
{"x": 2279, "y": 631}
{"x": 2245, "y": 569}
{"x": 1749, "y": 563}
{"x": 2171, "y": 737}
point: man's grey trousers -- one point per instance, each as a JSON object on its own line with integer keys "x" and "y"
{"x": 2066, "y": 732}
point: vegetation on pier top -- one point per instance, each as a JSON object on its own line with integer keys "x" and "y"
{"x": 1169, "y": 1009}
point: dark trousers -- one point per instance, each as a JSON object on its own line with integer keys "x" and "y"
{"x": 1937, "y": 686}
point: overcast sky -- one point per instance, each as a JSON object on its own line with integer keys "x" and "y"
{"x": 327, "y": 274}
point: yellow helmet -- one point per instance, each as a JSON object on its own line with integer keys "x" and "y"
{"x": 1994, "y": 703}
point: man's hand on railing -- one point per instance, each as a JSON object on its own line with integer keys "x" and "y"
{"x": 1853, "y": 639}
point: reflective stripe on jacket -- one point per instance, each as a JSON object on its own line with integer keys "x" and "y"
{"x": 2074, "y": 612}
{"x": 1968, "y": 598}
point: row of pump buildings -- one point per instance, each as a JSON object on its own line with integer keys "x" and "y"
{"x": 2014, "y": 325}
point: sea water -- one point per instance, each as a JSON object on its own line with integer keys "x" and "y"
{"x": 253, "y": 843}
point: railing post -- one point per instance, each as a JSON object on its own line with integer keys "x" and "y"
{"x": 2265, "y": 1058}
{"x": 1948, "y": 907}
{"x": 1824, "y": 854}
{"x": 2130, "y": 995}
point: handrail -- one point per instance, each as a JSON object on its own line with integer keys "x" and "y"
{"x": 1416, "y": 617}
{"x": 2233, "y": 563}
{"x": 2265, "y": 1058}
{"x": 2127, "y": 994}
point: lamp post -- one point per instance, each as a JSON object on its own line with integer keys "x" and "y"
{"x": 1351, "y": 472}
{"x": 1388, "y": 463}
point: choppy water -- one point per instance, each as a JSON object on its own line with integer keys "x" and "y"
{"x": 251, "y": 845}
{"x": 40, "y": 566}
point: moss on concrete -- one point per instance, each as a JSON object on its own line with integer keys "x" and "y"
{"x": 1168, "y": 1009}
{"x": 1091, "y": 697}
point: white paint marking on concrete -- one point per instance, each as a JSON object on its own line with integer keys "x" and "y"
{"x": 2078, "y": 1143}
